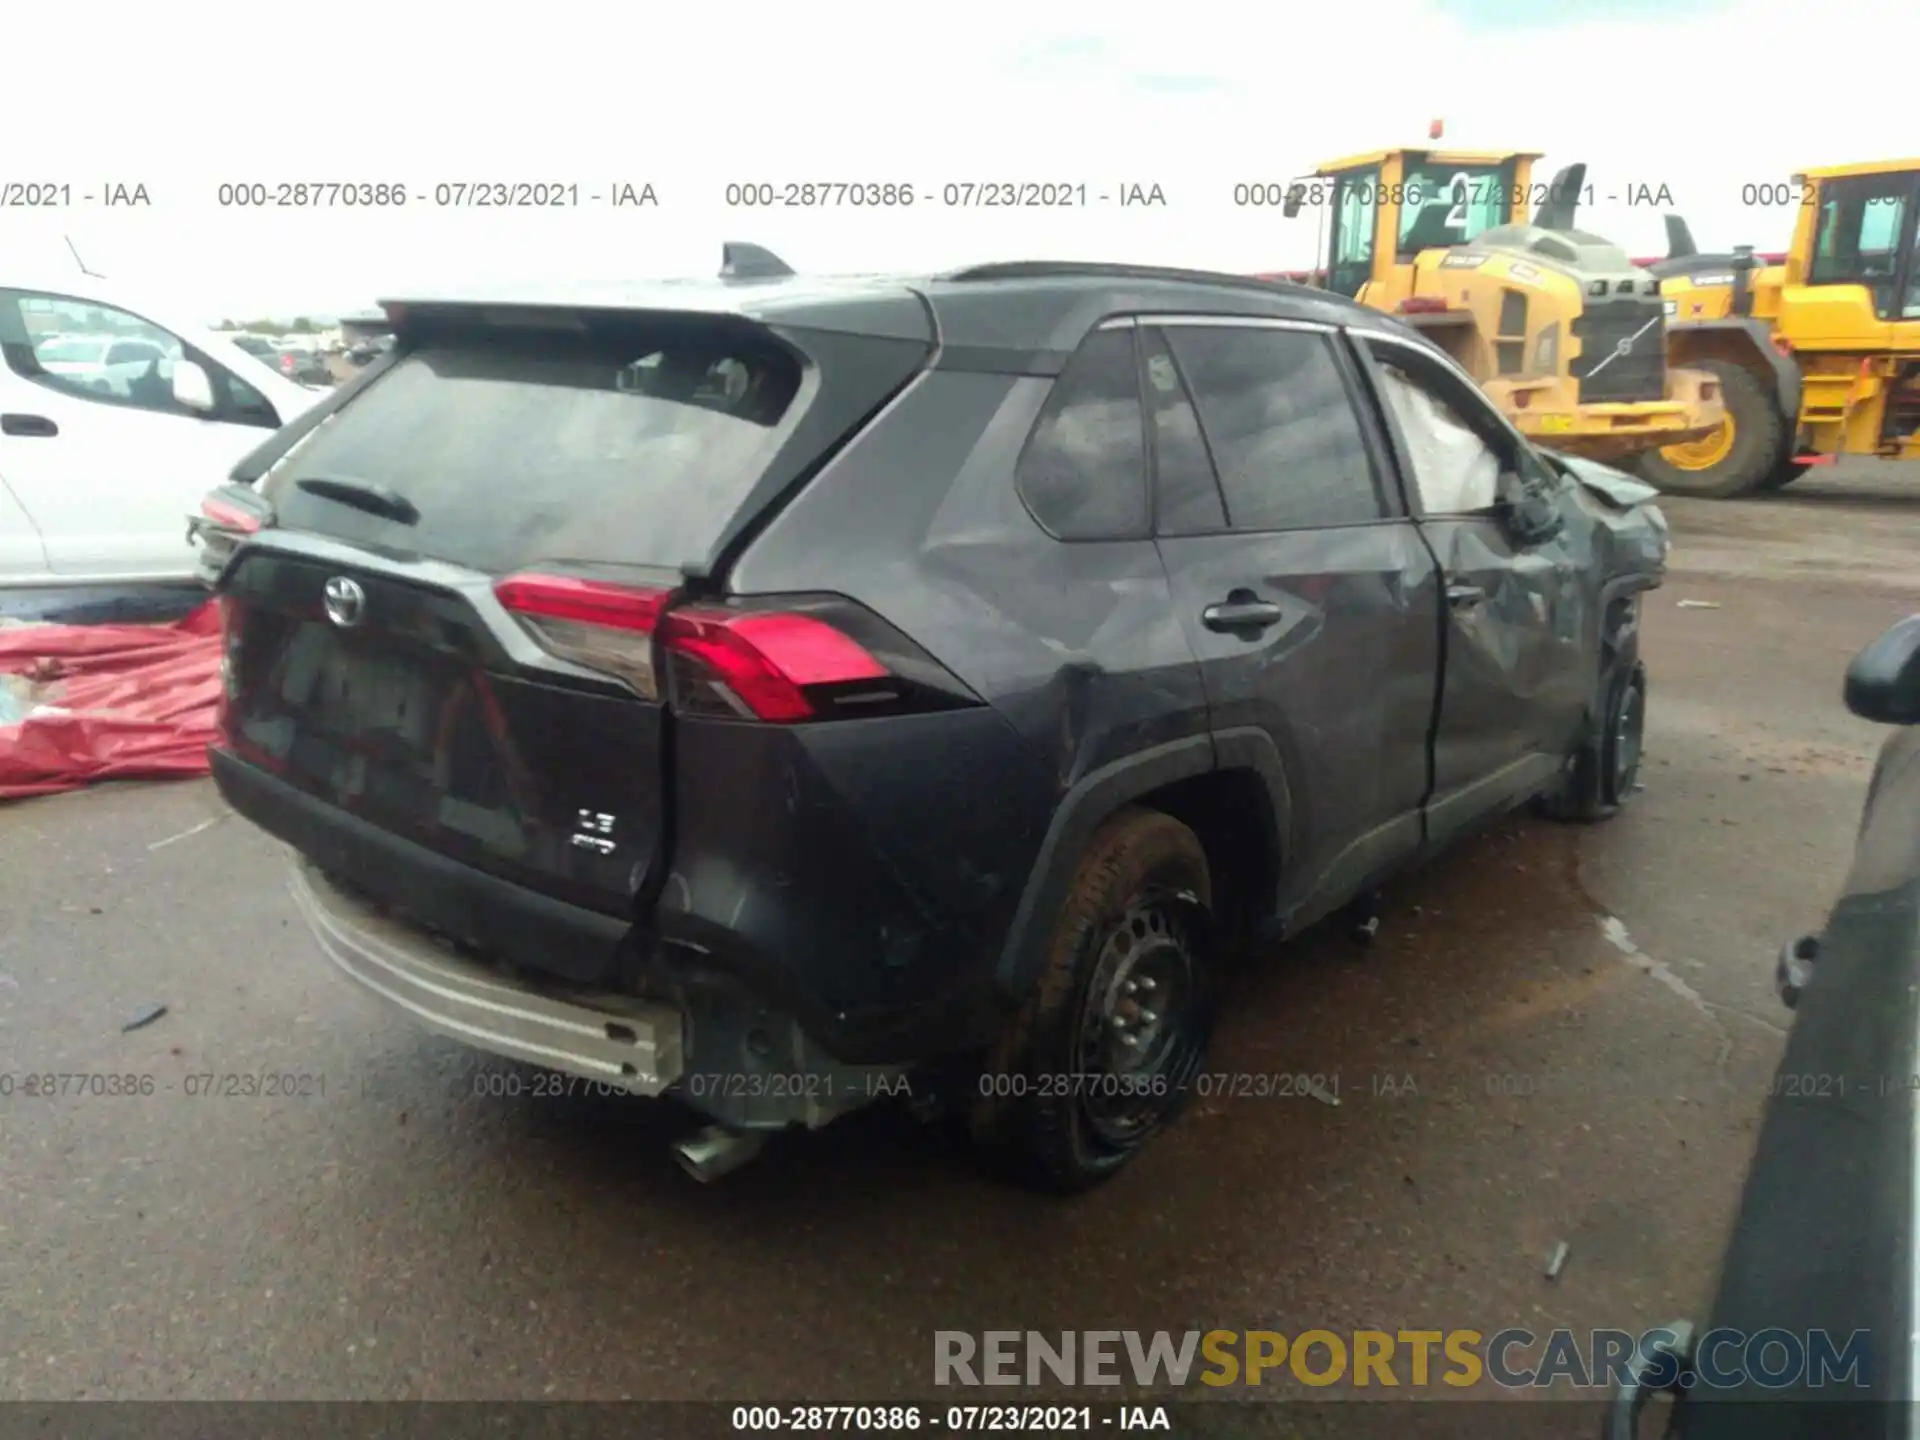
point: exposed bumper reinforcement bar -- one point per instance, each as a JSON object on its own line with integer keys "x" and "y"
{"x": 634, "y": 1045}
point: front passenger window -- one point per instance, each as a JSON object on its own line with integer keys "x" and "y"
{"x": 1454, "y": 470}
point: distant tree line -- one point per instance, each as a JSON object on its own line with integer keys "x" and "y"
{"x": 301, "y": 326}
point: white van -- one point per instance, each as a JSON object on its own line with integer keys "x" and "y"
{"x": 116, "y": 418}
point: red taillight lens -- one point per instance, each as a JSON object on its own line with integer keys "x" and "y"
{"x": 231, "y": 517}
{"x": 1422, "y": 305}
{"x": 757, "y": 664}
{"x": 763, "y": 660}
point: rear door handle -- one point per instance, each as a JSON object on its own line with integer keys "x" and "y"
{"x": 24, "y": 425}
{"x": 1463, "y": 595}
{"x": 1242, "y": 615}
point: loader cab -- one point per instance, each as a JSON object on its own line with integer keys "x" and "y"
{"x": 1858, "y": 228}
{"x": 1388, "y": 206}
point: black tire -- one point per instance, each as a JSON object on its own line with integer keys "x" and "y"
{"x": 1784, "y": 474}
{"x": 1603, "y": 773}
{"x": 1055, "y": 1107}
{"x": 1760, "y": 442}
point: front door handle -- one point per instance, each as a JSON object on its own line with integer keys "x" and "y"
{"x": 24, "y": 425}
{"x": 1464, "y": 595}
{"x": 1233, "y": 615}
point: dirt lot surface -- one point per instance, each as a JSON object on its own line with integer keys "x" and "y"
{"x": 1561, "y": 1035}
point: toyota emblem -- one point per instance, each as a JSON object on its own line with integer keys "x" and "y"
{"x": 346, "y": 602}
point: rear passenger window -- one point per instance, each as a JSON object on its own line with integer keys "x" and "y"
{"x": 1084, "y": 471}
{"x": 1281, "y": 424}
{"x": 1186, "y": 493}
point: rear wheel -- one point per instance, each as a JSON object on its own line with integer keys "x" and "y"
{"x": 1100, "y": 1059}
{"x": 1736, "y": 459}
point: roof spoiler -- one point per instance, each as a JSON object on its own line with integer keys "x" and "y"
{"x": 741, "y": 261}
{"x": 1679, "y": 239}
{"x": 1563, "y": 198}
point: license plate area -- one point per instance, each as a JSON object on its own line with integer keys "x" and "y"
{"x": 400, "y": 734}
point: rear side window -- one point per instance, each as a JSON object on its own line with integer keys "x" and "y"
{"x": 1186, "y": 493}
{"x": 633, "y": 445}
{"x": 1281, "y": 423}
{"x": 1083, "y": 473}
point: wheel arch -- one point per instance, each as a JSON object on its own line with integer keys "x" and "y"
{"x": 1229, "y": 788}
{"x": 1622, "y": 601}
{"x": 1742, "y": 341}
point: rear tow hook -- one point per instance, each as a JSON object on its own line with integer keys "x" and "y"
{"x": 717, "y": 1151}
{"x": 1794, "y": 969}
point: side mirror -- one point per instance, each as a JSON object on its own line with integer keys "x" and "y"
{"x": 1296, "y": 197}
{"x": 1883, "y": 682}
{"x": 1529, "y": 509}
{"x": 192, "y": 387}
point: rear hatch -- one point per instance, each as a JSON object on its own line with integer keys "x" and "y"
{"x": 447, "y": 626}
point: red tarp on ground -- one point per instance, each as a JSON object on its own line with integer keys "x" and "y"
{"x": 129, "y": 702}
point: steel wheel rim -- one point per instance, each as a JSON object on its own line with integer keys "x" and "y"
{"x": 1135, "y": 1041}
{"x": 1706, "y": 452}
{"x": 1627, "y": 731}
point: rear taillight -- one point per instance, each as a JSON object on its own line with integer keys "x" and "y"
{"x": 604, "y": 627}
{"x": 808, "y": 658}
{"x": 229, "y": 517}
{"x": 765, "y": 661}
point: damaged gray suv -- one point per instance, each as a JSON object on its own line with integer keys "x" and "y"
{"x": 779, "y": 693}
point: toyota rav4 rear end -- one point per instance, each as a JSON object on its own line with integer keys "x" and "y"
{"x": 550, "y": 787}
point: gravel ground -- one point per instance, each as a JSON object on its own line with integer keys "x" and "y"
{"x": 406, "y": 1235}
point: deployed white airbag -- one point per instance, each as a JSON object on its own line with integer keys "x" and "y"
{"x": 1453, "y": 469}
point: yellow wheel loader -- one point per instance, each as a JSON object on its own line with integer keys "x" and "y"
{"x": 1562, "y": 330}
{"x": 1818, "y": 353}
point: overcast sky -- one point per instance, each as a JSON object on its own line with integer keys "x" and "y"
{"x": 1192, "y": 97}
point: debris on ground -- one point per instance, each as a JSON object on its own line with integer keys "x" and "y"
{"x": 1558, "y": 1261}
{"x": 145, "y": 1016}
{"x": 1699, "y": 604}
{"x": 1321, "y": 1093}
{"x": 106, "y": 702}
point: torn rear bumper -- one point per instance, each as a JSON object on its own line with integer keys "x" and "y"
{"x": 714, "y": 1046}
{"x": 630, "y": 1044}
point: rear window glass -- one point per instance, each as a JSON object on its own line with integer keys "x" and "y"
{"x": 629, "y": 448}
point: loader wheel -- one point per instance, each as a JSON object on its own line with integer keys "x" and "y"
{"x": 1738, "y": 458}
{"x": 1785, "y": 473}
{"x": 1102, "y": 1056}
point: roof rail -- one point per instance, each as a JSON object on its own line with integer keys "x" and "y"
{"x": 1094, "y": 269}
{"x": 742, "y": 261}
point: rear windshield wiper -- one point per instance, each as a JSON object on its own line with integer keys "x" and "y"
{"x": 368, "y": 495}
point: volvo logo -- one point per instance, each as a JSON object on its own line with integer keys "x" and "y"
{"x": 346, "y": 602}
{"x": 1625, "y": 347}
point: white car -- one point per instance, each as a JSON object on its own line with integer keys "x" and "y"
{"x": 116, "y": 419}
{"x": 103, "y": 363}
